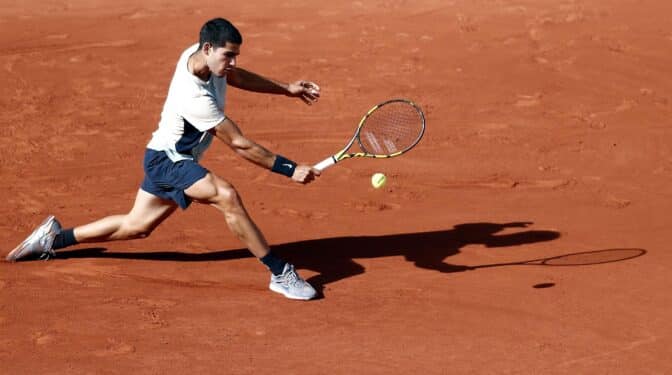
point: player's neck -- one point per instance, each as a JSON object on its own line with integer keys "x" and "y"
{"x": 198, "y": 67}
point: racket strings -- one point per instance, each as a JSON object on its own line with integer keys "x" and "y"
{"x": 391, "y": 128}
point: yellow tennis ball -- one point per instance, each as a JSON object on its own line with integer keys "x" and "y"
{"x": 378, "y": 180}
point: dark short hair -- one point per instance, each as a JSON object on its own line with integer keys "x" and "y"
{"x": 218, "y": 31}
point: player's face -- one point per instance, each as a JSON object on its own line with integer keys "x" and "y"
{"x": 222, "y": 60}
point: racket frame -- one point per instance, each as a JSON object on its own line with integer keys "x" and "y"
{"x": 343, "y": 154}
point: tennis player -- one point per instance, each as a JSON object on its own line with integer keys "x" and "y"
{"x": 193, "y": 114}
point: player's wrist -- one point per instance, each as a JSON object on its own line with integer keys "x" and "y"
{"x": 288, "y": 89}
{"x": 283, "y": 166}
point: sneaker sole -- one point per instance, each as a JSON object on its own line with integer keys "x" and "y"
{"x": 290, "y": 296}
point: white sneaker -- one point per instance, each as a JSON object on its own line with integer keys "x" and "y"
{"x": 39, "y": 243}
{"x": 291, "y": 284}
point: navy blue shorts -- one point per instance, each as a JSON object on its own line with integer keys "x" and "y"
{"x": 167, "y": 179}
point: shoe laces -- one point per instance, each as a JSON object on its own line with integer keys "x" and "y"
{"x": 291, "y": 278}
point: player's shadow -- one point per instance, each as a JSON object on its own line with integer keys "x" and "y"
{"x": 334, "y": 258}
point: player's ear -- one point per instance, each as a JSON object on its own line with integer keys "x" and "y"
{"x": 207, "y": 48}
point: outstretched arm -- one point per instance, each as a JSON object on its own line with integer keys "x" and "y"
{"x": 229, "y": 133}
{"x": 243, "y": 79}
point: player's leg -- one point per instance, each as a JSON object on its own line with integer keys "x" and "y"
{"x": 220, "y": 194}
{"x": 147, "y": 213}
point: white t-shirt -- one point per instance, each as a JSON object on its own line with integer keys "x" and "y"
{"x": 191, "y": 109}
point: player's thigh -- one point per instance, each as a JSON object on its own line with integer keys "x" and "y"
{"x": 211, "y": 189}
{"x": 149, "y": 210}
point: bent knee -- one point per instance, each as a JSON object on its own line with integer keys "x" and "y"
{"x": 227, "y": 196}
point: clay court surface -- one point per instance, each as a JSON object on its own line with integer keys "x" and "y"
{"x": 548, "y": 133}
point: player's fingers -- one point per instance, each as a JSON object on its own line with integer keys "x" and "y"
{"x": 306, "y": 100}
{"x": 310, "y": 89}
{"x": 306, "y": 178}
{"x": 313, "y": 93}
{"x": 315, "y": 171}
{"x": 310, "y": 85}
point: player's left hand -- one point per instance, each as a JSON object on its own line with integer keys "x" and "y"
{"x": 305, "y": 174}
{"x": 307, "y": 91}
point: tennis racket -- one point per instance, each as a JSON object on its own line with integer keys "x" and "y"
{"x": 387, "y": 130}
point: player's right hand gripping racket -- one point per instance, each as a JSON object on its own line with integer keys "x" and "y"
{"x": 389, "y": 129}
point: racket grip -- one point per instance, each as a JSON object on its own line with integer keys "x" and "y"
{"x": 324, "y": 164}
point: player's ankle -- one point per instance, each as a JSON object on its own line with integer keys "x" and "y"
{"x": 274, "y": 264}
{"x": 64, "y": 239}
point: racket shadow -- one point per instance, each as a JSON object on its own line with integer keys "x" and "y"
{"x": 334, "y": 259}
{"x": 584, "y": 258}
